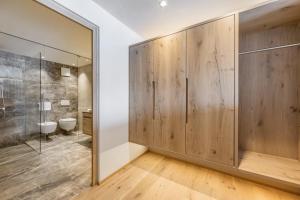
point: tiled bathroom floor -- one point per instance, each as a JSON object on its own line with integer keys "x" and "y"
{"x": 61, "y": 171}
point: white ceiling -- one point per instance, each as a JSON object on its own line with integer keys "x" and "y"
{"x": 149, "y": 20}
{"x": 33, "y": 21}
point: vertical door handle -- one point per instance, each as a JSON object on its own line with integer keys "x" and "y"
{"x": 153, "y": 86}
{"x": 186, "y": 100}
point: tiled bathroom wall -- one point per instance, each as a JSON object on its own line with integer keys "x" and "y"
{"x": 12, "y": 122}
{"x": 20, "y": 82}
{"x": 56, "y": 88}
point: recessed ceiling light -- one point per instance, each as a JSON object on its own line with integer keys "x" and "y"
{"x": 73, "y": 64}
{"x": 163, "y": 3}
{"x": 43, "y": 57}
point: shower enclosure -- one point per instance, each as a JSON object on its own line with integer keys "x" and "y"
{"x": 32, "y": 89}
{"x": 20, "y": 92}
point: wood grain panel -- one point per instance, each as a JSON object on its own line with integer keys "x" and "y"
{"x": 170, "y": 98}
{"x": 141, "y": 94}
{"x": 271, "y": 25}
{"x": 236, "y": 91}
{"x": 270, "y": 15}
{"x": 270, "y": 36}
{"x": 210, "y": 127}
{"x": 87, "y": 123}
{"x": 269, "y": 102}
{"x": 273, "y": 166}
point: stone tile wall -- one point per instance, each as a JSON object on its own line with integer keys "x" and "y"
{"x": 12, "y": 122}
{"x": 20, "y": 78}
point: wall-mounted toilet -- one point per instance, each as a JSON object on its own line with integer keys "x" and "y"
{"x": 48, "y": 127}
{"x": 67, "y": 124}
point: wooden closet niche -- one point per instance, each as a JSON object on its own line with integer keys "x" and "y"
{"x": 269, "y": 80}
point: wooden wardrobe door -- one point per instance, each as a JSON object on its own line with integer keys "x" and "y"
{"x": 269, "y": 99}
{"x": 141, "y": 94}
{"x": 170, "y": 92}
{"x": 210, "y": 71}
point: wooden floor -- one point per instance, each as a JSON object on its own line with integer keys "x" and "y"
{"x": 156, "y": 177}
{"x": 60, "y": 172}
{"x": 273, "y": 166}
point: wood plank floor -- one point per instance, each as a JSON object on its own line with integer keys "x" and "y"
{"x": 156, "y": 177}
{"x": 273, "y": 166}
{"x": 60, "y": 172}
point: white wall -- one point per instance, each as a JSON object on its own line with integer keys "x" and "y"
{"x": 148, "y": 19}
{"x": 20, "y": 18}
{"x": 115, "y": 151}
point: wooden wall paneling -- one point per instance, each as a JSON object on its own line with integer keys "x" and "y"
{"x": 141, "y": 94}
{"x": 271, "y": 15}
{"x": 269, "y": 37}
{"x": 170, "y": 99}
{"x": 298, "y": 141}
{"x": 298, "y": 101}
{"x": 279, "y": 168}
{"x": 210, "y": 70}
{"x": 271, "y": 25}
{"x": 269, "y": 102}
{"x": 236, "y": 90}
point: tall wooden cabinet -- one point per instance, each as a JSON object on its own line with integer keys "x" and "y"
{"x": 170, "y": 92}
{"x": 224, "y": 94}
{"x": 141, "y": 99}
{"x": 210, "y": 72}
{"x": 182, "y": 92}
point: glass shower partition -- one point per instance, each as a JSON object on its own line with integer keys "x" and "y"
{"x": 33, "y": 101}
{"x": 20, "y": 92}
{"x": 38, "y": 87}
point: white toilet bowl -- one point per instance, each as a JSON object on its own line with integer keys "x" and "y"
{"x": 67, "y": 124}
{"x": 48, "y": 127}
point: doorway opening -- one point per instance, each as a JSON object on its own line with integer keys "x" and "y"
{"x": 48, "y": 102}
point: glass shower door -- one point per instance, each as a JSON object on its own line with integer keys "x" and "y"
{"x": 20, "y": 92}
{"x": 34, "y": 104}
